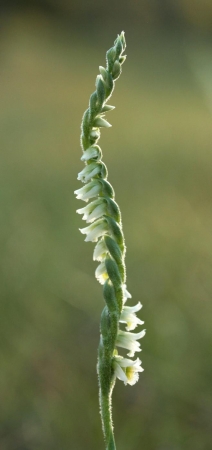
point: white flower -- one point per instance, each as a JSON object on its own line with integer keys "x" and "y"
{"x": 95, "y": 230}
{"x": 91, "y": 189}
{"x": 101, "y": 273}
{"x": 95, "y": 133}
{"x": 93, "y": 210}
{"x": 127, "y": 370}
{"x": 91, "y": 153}
{"x": 100, "y": 251}
{"x": 129, "y": 317}
{"x": 130, "y": 341}
{"x": 89, "y": 171}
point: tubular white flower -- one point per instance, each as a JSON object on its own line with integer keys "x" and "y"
{"x": 127, "y": 370}
{"x": 130, "y": 341}
{"x": 91, "y": 189}
{"x": 91, "y": 153}
{"x": 101, "y": 273}
{"x": 93, "y": 210}
{"x": 99, "y": 211}
{"x": 95, "y": 133}
{"x": 89, "y": 171}
{"x": 129, "y": 317}
{"x": 95, "y": 230}
{"x": 100, "y": 251}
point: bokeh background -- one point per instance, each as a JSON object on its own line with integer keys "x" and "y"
{"x": 159, "y": 157}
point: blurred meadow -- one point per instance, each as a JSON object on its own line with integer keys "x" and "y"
{"x": 159, "y": 158}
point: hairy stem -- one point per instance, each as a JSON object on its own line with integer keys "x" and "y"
{"x": 106, "y": 414}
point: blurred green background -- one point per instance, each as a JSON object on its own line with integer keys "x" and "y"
{"x": 159, "y": 157}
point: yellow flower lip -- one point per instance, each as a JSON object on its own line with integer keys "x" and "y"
{"x": 127, "y": 370}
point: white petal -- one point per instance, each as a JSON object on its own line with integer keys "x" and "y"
{"x": 92, "y": 189}
{"x": 130, "y": 341}
{"x": 95, "y": 230}
{"x": 99, "y": 211}
{"x": 85, "y": 211}
{"x": 139, "y": 335}
{"x": 126, "y": 294}
{"x": 101, "y": 273}
{"x": 100, "y": 251}
{"x": 120, "y": 374}
{"x": 135, "y": 308}
{"x": 129, "y": 317}
{"x": 93, "y": 210}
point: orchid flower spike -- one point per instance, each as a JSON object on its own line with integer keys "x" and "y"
{"x": 105, "y": 228}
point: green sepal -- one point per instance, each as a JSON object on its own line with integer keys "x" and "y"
{"x": 105, "y": 323}
{"x": 113, "y": 248}
{"x": 114, "y": 275}
{"x": 85, "y": 127}
{"x": 103, "y": 172}
{"x": 119, "y": 47}
{"x": 94, "y": 106}
{"x": 117, "y": 232}
{"x": 107, "y": 189}
{"x": 116, "y": 72}
{"x": 113, "y": 210}
{"x": 110, "y": 298}
{"x": 113, "y": 272}
{"x": 116, "y": 254}
{"x": 107, "y": 79}
{"x": 110, "y": 58}
{"x": 100, "y": 89}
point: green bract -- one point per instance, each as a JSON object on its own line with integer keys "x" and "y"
{"x": 105, "y": 228}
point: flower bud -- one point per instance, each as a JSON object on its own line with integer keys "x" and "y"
{"x": 92, "y": 153}
{"x": 107, "y": 108}
{"x": 116, "y": 70}
{"x": 100, "y": 122}
{"x": 95, "y": 134}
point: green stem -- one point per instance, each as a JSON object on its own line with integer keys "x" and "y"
{"x": 106, "y": 415}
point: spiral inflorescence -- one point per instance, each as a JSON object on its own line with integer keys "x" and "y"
{"x": 105, "y": 228}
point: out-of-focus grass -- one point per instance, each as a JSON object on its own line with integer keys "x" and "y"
{"x": 160, "y": 163}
